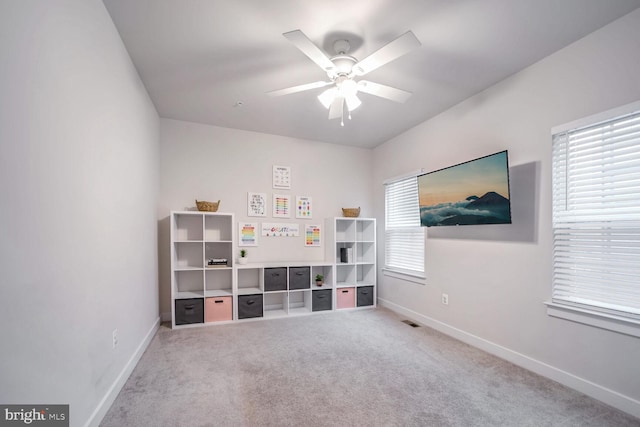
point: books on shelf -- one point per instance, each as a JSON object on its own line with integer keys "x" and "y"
{"x": 346, "y": 255}
{"x": 217, "y": 262}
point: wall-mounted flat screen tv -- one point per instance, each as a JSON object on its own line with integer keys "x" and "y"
{"x": 469, "y": 193}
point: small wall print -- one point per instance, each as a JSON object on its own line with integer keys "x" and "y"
{"x": 282, "y": 177}
{"x": 303, "y": 207}
{"x": 256, "y": 204}
{"x": 270, "y": 229}
{"x": 312, "y": 235}
{"x": 281, "y": 206}
{"x": 248, "y": 234}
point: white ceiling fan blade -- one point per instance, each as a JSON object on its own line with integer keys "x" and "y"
{"x": 387, "y": 53}
{"x": 300, "y": 88}
{"x": 383, "y": 91}
{"x": 307, "y": 47}
{"x": 336, "y": 108}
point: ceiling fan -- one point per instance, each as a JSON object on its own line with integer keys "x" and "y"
{"x": 343, "y": 69}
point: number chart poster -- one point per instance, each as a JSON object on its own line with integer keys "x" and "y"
{"x": 303, "y": 207}
{"x": 312, "y": 235}
{"x": 280, "y": 230}
{"x": 281, "y": 206}
{"x": 281, "y": 177}
{"x": 248, "y": 233}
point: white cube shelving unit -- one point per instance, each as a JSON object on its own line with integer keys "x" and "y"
{"x": 197, "y": 287}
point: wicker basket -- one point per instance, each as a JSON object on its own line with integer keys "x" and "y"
{"x": 207, "y": 206}
{"x": 351, "y": 212}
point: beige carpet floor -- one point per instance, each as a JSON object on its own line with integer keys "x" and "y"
{"x": 344, "y": 368}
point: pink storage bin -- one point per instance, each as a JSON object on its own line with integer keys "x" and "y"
{"x": 218, "y": 309}
{"x": 345, "y": 298}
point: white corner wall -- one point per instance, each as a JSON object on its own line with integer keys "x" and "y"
{"x": 215, "y": 163}
{"x": 79, "y": 174}
{"x": 498, "y": 277}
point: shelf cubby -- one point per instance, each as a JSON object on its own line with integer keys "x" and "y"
{"x": 326, "y": 271}
{"x": 218, "y": 282}
{"x": 345, "y": 230}
{"x": 345, "y": 275}
{"x": 187, "y": 255}
{"x": 299, "y": 302}
{"x": 188, "y": 284}
{"x": 218, "y": 228}
{"x": 249, "y": 281}
{"x": 187, "y": 227}
{"x": 365, "y": 252}
{"x": 365, "y": 274}
{"x": 276, "y": 304}
{"x": 365, "y": 230}
{"x": 219, "y": 250}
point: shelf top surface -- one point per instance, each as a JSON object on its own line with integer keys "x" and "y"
{"x": 273, "y": 264}
{"x": 200, "y": 213}
{"x": 349, "y": 218}
{"x": 201, "y": 241}
{"x": 249, "y": 291}
{"x": 188, "y": 294}
{"x": 218, "y": 293}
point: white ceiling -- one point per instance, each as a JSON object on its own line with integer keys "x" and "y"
{"x": 200, "y": 59}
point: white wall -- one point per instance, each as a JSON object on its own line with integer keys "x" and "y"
{"x": 498, "y": 277}
{"x": 214, "y": 163}
{"x": 78, "y": 191}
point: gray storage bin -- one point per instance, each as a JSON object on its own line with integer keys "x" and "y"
{"x": 365, "y": 296}
{"x": 299, "y": 277}
{"x": 189, "y": 310}
{"x": 275, "y": 279}
{"x": 249, "y": 306}
{"x": 321, "y": 300}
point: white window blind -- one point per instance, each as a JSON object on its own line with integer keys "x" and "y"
{"x": 596, "y": 217}
{"x": 404, "y": 237}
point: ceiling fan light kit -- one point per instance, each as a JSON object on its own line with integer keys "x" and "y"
{"x": 342, "y": 68}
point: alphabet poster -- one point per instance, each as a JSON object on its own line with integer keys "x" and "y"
{"x": 256, "y": 204}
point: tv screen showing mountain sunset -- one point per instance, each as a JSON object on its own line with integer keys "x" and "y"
{"x": 470, "y": 193}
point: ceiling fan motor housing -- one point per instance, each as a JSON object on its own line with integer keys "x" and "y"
{"x": 343, "y": 66}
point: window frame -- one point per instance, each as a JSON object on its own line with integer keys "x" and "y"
{"x": 405, "y": 273}
{"x": 628, "y": 324}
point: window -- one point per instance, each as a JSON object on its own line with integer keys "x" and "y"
{"x": 596, "y": 216}
{"x": 404, "y": 238}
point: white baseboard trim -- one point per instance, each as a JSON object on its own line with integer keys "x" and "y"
{"x": 101, "y": 410}
{"x": 603, "y": 394}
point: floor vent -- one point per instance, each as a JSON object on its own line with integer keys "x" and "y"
{"x": 410, "y": 323}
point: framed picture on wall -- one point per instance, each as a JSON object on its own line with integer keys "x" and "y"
{"x": 281, "y": 206}
{"x": 312, "y": 235}
{"x": 256, "y": 204}
{"x": 303, "y": 207}
{"x": 247, "y": 234}
{"x": 270, "y": 229}
{"x": 282, "y": 177}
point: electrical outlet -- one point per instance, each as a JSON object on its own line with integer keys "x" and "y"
{"x": 445, "y": 299}
{"x": 115, "y": 338}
